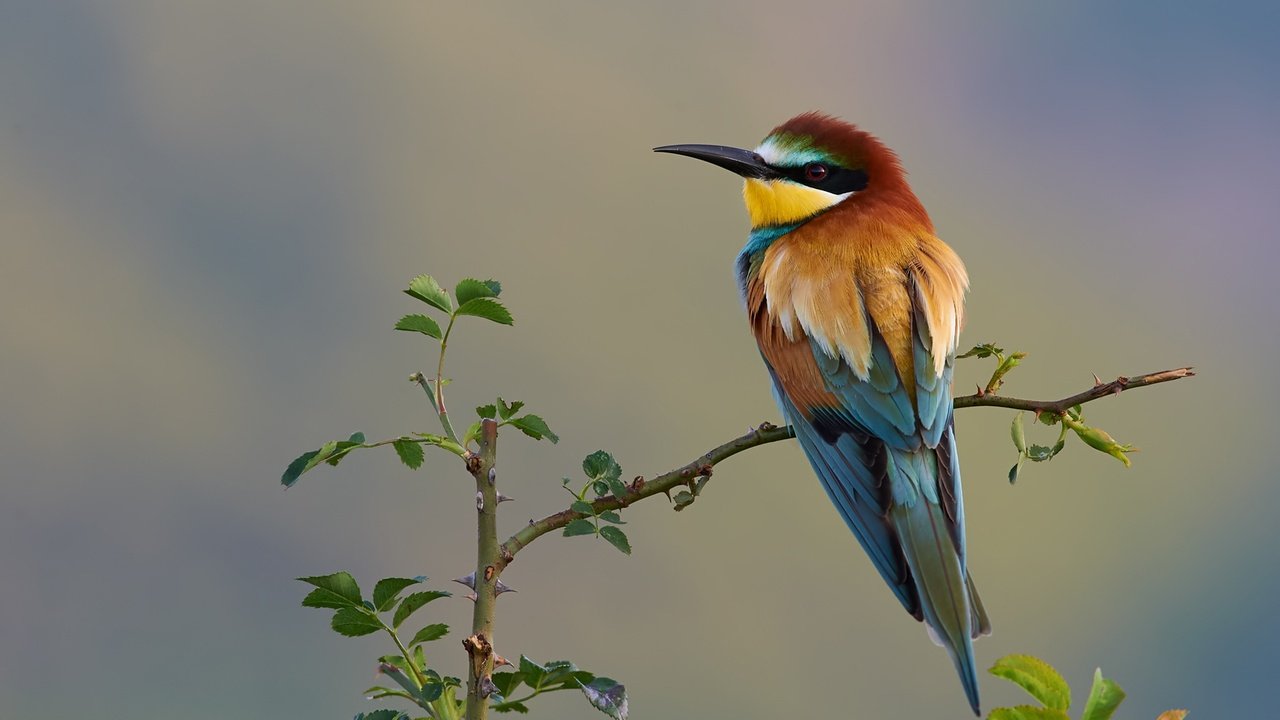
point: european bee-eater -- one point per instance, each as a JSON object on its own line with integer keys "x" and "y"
{"x": 857, "y": 308}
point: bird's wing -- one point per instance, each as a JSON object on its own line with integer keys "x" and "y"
{"x": 849, "y": 416}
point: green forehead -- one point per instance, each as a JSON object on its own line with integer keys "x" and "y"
{"x": 791, "y": 149}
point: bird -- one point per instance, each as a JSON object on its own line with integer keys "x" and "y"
{"x": 856, "y": 306}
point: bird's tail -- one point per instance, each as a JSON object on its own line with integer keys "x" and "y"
{"x": 950, "y": 607}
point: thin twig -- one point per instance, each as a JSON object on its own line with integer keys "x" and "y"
{"x": 1114, "y": 387}
{"x": 765, "y": 434}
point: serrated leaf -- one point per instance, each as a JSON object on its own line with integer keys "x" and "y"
{"x": 410, "y": 452}
{"x": 535, "y": 427}
{"x": 506, "y": 411}
{"x": 1018, "y": 433}
{"x": 506, "y": 682}
{"x": 426, "y": 289}
{"x": 1027, "y": 712}
{"x": 470, "y": 288}
{"x": 1104, "y": 697}
{"x": 608, "y": 696}
{"x": 984, "y": 350}
{"x": 354, "y": 622}
{"x": 616, "y": 538}
{"x": 421, "y": 324}
{"x": 512, "y": 706}
{"x": 1039, "y": 453}
{"x": 1047, "y": 418}
{"x": 487, "y": 412}
{"x": 388, "y": 590}
{"x": 413, "y": 602}
{"x": 1037, "y": 677}
{"x": 683, "y": 499}
{"x": 612, "y": 516}
{"x": 486, "y": 308}
{"x": 431, "y": 690}
{"x": 601, "y": 467}
{"x": 532, "y": 672}
{"x": 383, "y": 714}
{"x": 340, "y": 589}
{"x": 434, "y": 631}
{"x": 582, "y": 506}
{"x": 579, "y": 527}
{"x": 559, "y": 671}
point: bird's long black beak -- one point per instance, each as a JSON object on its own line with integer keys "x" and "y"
{"x": 736, "y": 160}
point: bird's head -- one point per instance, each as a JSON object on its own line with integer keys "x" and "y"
{"x": 806, "y": 166}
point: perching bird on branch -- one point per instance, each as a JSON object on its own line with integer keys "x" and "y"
{"x": 857, "y": 308}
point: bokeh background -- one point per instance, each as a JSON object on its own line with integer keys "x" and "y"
{"x": 208, "y": 209}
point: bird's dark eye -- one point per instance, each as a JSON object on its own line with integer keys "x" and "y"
{"x": 815, "y": 172}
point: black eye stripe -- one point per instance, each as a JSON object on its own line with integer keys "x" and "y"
{"x": 838, "y": 181}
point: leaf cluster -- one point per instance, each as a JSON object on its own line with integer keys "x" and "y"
{"x": 604, "y": 480}
{"x": 1047, "y": 686}
{"x": 1071, "y": 420}
{"x": 607, "y": 695}
{"x": 506, "y": 415}
{"x": 355, "y": 616}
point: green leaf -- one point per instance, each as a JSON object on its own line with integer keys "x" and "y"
{"x": 512, "y": 706}
{"x": 507, "y": 682}
{"x": 1047, "y": 418}
{"x": 1101, "y": 440}
{"x": 1013, "y": 471}
{"x": 421, "y": 324}
{"x": 1019, "y": 435}
{"x": 582, "y": 506}
{"x": 984, "y": 350}
{"x": 683, "y": 499}
{"x": 616, "y": 538}
{"x": 410, "y": 604}
{"x": 612, "y": 516}
{"x": 354, "y": 622}
{"x": 343, "y": 447}
{"x": 433, "y": 688}
{"x": 1027, "y": 712}
{"x": 410, "y": 452}
{"x": 434, "y": 631}
{"x": 579, "y": 527}
{"x": 1104, "y": 697}
{"x": 535, "y": 427}
{"x": 388, "y": 590}
{"x": 1039, "y": 453}
{"x": 426, "y": 289}
{"x": 608, "y": 696}
{"x": 338, "y": 590}
{"x": 1037, "y": 677}
{"x": 601, "y": 467}
{"x": 506, "y": 411}
{"x": 532, "y": 672}
{"x": 487, "y": 412}
{"x": 383, "y": 714}
{"x": 486, "y": 308}
{"x": 377, "y": 692}
{"x": 470, "y": 288}
{"x": 300, "y": 464}
{"x": 563, "y": 671}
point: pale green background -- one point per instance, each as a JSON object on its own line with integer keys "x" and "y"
{"x": 208, "y": 209}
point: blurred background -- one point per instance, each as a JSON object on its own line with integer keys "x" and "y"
{"x": 208, "y": 211}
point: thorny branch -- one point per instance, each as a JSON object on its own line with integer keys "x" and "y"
{"x": 767, "y": 433}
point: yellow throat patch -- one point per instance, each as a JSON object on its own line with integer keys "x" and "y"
{"x": 778, "y": 202}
